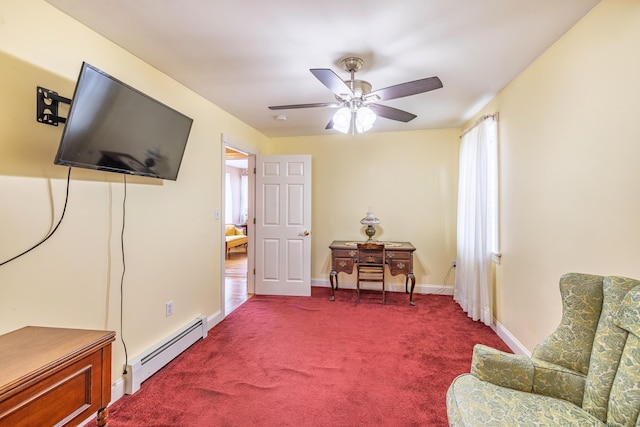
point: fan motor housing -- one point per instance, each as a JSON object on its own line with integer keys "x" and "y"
{"x": 359, "y": 87}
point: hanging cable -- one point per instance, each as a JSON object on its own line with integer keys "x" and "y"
{"x": 52, "y": 231}
{"x": 444, "y": 282}
{"x": 124, "y": 268}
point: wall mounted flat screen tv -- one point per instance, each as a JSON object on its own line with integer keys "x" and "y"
{"x": 116, "y": 128}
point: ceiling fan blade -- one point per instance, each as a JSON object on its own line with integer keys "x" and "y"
{"x": 318, "y": 104}
{"x": 330, "y": 124}
{"x": 406, "y": 89}
{"x": 331, "y": 80}
{"x": 391, "y": 113}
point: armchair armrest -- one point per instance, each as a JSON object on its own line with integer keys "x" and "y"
{"x": 501, "y": 368}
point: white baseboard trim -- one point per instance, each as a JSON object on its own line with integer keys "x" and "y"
{"x": 117, "y": 389}
{"x": 214, "y": 319}
{"x": 426, "y": 289}
{"x": 433, "y": 289}
{"x": 511, "y": 341}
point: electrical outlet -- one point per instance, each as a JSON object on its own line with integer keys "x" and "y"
{"x": 453, "y": 263}
{"x": 169, "y": 308}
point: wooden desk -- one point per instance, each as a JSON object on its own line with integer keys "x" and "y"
{"x": 54, "y": 376}
{"x": 399, "y": 260}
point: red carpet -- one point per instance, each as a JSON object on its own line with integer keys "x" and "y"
{"x": 306, "y": 361}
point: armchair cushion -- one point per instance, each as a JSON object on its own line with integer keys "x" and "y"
{"x": 232, "y": 230}
{"x": 472, "y": 402}
{"x": 501, "y": 368}
{"x": 557, "y": 381}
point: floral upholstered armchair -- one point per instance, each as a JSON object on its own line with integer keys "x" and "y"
{"x": 587, "y": 373}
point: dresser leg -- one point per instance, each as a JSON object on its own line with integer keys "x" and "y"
{"x": 333, "y": 275}
{"x": 411, "y": 277}
{"x": 101, "y": 419}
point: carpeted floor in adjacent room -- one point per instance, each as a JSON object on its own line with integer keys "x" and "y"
{"x": 306, "y": 361}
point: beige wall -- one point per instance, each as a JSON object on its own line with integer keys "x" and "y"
{"x": 172, "y": 242}
{"x": 409, "y": 179}
{"x": 570, "y": 180}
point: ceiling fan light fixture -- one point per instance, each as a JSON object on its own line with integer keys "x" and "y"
{"x": 342, "y": 120}
{"x": 365, "y": 118}
{"x": 358, "y": 104}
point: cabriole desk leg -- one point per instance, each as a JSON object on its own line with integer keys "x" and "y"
{"x": 411, "y": 277}
{"x": 333, "y": 275}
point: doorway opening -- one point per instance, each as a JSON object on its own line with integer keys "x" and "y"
{"x": 238, "y": 227}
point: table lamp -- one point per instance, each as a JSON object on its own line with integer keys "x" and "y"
{"x": 370, "y": 220}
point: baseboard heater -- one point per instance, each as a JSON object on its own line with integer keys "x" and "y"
{"x": 155, "y": 358}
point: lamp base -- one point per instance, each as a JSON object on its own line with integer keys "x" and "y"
{"x": 370, "y": 231}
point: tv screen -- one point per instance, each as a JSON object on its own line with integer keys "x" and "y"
{"x": 116, "y": 128}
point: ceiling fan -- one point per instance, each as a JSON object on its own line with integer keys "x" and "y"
{"x": 357, "y": 104}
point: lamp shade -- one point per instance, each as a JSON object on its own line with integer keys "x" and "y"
{"x": 370, "y": 219}
{"x": 347, "y": 119}
{"x": 342, "y": 120}
{"x": 364, "y": 119}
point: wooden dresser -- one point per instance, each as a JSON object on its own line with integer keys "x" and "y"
{"x": 54, "y": 376}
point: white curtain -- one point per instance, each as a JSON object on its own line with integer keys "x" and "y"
{"x": 477, "y": 220}
{"x": 244, "y": 197}
{"x": 228, "y": 200}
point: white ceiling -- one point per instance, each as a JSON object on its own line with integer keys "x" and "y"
{"x": 237, "y": 163}
{"x": 246, "y": 55}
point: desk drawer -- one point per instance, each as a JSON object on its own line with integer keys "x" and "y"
{"x": 345, "y": 253}
{"x": 399, "y": 266}
{"x": 343, "y": 265}
{"x": 398, "y": 255}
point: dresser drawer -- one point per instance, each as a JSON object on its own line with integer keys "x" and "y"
{"x": 398, "y": 255}
{"x": 399, "y": 266}
{"x": 345, "y": 253}
{"x": 343, "y": 265}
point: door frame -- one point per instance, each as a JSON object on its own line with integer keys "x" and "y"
{"x": 251, "y": 152}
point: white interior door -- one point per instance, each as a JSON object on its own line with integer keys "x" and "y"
{"x": 283, "y": 225}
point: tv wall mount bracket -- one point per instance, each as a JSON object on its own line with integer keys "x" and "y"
{"x": 47, "y": 102}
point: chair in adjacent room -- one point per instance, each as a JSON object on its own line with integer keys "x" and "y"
{"x": 234, "y": 236}
{"x": 370, "y": 264}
